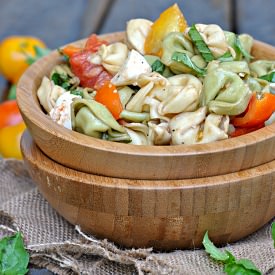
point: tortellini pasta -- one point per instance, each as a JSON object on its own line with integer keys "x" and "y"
{"x": 48, "y": 93}
{"x": 225, "y": 93}
{"x": 113, "y": 56}
{"x": 214, "y": 37}
{"x": 186, "y": 94}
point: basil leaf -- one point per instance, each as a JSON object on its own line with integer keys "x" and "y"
{"x": 269, "y": 77}
{"x": 242, "y": 267}
{"x": 239, "y": 47}
{"x": 214, "y": 252}
{"x": 14, "y": 258}
{"x": 61, "y": 80}
{"x": 185, "y": 60}
{"x": 226, "y": 57}
{"x": 158, "y": 67}
{"x": 77, "y": 92}
{"x": 232, "y": 266}
{"x": 273, "y": 232}
{"x": 200, "y": 44}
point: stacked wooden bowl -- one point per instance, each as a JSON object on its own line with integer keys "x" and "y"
{"x": 164, "y": 197}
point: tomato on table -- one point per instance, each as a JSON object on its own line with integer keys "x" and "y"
{"x": 10, "y": 140}
{"x": 9, "y": 113}
{"x": 14, "y": 51}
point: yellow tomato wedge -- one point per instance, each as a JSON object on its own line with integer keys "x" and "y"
{"x": 170, "y": 20}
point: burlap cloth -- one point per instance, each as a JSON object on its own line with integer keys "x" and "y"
{"x": 62, "y": 248}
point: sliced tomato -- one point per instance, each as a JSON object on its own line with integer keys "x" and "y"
{"x": 94, "y": 42}
{"x": 90, "y": 75}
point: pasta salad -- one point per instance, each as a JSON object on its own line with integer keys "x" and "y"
{"x": 167, "y": 84}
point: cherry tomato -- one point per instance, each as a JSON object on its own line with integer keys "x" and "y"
{"x": 259, "y": 109}
{"x": 13, "y": 55}
{"x": 9, "y": 113}
{"x": 109, "y": 97}
{"x": 10, "y": 140}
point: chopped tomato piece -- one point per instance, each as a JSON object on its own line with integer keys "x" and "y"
{"x": 242, "y": 131}
{"x": 170, "y": 20}
{"x": 259, "y": 109}
{"x": 93, "y": 43}
{"x": 70, "y": 50}
{"x": 109, "y": 97}
{"x": 90, "y": 75}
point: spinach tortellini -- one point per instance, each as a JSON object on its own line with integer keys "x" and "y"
{"x": 225, "y": 93}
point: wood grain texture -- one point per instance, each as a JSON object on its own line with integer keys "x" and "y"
{"x": 100, "y": 157}
{"x": 164, "y": 214}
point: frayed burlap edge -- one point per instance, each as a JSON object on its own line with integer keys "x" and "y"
{"x": 67, "y": 255}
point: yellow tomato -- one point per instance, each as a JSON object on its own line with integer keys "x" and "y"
{"x": 170, "y": 20}
{"x": 13, "y": 55}
{"x": 10, "y": 140}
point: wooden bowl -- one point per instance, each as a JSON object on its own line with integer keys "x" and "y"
{"x": 100, "y": 157}
{"x": 164, "y": 214}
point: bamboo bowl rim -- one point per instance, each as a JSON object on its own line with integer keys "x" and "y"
{"x": 32, "y": 109}
{"x": 33, "y": 154}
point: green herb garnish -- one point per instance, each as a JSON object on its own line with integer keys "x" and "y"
{"x": 61, "y": 80}
{"x": 231, "y": 265}
{"x": 185, "y": 60}
{"x": 269, "y": 77}
{"x": 158, "y": 66}
{"x": 226, "y": 57}
{"x": 240, "y": 49}
{"x": 273, "y": 232}
{"x": 200, "y": 44}
{"x": 77, "y": 92}
{"x": 14, "y": 258}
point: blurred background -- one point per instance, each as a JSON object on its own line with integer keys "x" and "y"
{"x": 63, "y": 21}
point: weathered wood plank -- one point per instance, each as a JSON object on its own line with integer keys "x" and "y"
{"x": 199, "y": 11}
{"x": 256, "y": 17}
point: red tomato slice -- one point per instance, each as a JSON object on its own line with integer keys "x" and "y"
{"x": 93, "y": 43}
{"x": 90, "y": 75}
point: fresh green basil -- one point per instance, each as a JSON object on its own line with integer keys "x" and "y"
{"x": 200, "y": 44}
{"x": 226, "y": 57}
{"x": 61, "y": 80}
{"x": 240, "y": 49}
{"x": 158, "y": 66}
{"x": 269, "y": 77}
{"x": 14, "y": 258}
{"x": 231, "y": 265}
{"x": 185, "y": 60}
